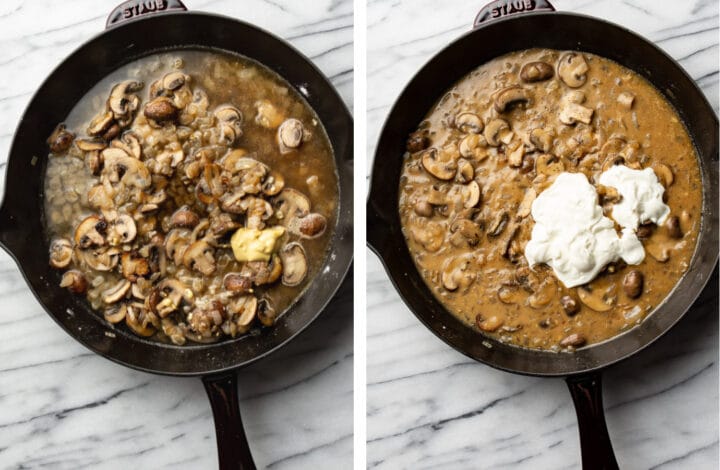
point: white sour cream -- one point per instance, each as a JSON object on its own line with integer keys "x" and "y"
{"x": 572, "y": 235}
{"x": 641, "y": 194}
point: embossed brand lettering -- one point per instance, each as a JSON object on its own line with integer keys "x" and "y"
{"x": 512, "y": 7}
{"x": 146, "y": 6}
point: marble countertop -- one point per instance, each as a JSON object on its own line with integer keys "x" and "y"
{"x": 431, "y": 407}
{"x": 62, "y": 407}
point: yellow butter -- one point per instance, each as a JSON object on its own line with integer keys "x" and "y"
{"x": 249, "y": 244}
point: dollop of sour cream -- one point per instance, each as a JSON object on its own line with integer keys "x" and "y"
{"x": 574, "y": 237}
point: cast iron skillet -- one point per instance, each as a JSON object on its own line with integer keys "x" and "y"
{"x": 540, "y": 26}
{"x": 21, "y": 215}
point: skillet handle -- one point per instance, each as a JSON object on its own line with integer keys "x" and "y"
{"x": 595, "y": 445}
{"x": 132, "y": 9}
{"x": 502, "y": 8}
{"x": 233, "y": 449}
{"x": 376, "y": 230}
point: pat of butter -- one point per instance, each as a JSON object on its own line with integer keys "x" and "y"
{"x": 249, "y": 244}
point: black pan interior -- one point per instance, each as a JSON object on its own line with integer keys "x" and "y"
{"x": 21, "y": 215}
{"x": 558, "y": 31}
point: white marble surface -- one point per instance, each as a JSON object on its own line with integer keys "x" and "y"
{"x": 431, "y": 407}
{"x": 62, "y": 407}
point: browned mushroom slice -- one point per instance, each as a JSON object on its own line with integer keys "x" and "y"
{"x": 130, "y": 143}
{"x": 61, "y": 252}
{"x": 168, "y": 297}
{"x": 116, "y": 292}
{"x": 74, "y": 281}
{"x": 273, "y": 184}
{"x": 510, "y": 96}
{"x": 94, "y": 162}
{"x": 542, "y": 138}
{"x": 311, "y": 226}
{"x": 200, "y": 257}
{"x": 230, "y": 121}
{"x": 664, "y": 174}
{"x": 222, "y": 224}
{"x": 119, "y": 166}
{"x": 122, "y": 230}
{"x": 257, "y": 211}
{"x": 471, "y": 194}
{"x": 600, "y": 300}
{"x": 467, "y": 231}
{"x": 536, "y": 72}
{"x": 498, "y": 224}
{"x": 137, "y": 319}
{"x": 91, "y": 232}
{"x": 294, "y": 263}
{"x": 290, "y": 204}
{"x": 290, "y": 135}
{"x": 263, "y": 272}
{"x": 60, "y": 140}
{"x": 101, "y": 123}
{"x": 121, "y": 101}
{"x": 115, "y": 313}
{"x": 438, "y": 165}
{"x": 458, "y": 272}
{"x": 572, "y": 69}
{"x": 237, "y": 283}
{"x": 244, "y": 310}
{"x": 99, "y": 260}
{"x": 526, "y": 204}
{"x": 549, "y": 165}
{"x": 174, "y": 80}
{"x": 176, "y": 243}
{"x": 184, "y": 218}
{"x": 495, "y": 131}
{"x": 134, "y": 266}
{"x": 572, "y": 113}
{"x": 469, "y": 123}
{"x": 465, "y": 172}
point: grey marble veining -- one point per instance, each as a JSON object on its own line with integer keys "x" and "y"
{"x": 431, "y": 407}
{"x": 61, "y": 407}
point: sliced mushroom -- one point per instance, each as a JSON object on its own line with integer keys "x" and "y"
{"x": 290, "y": 135}
{"x": 263, "y": 272}
{"x": 526, "y": 204}
{"x": 465, "y": 171}
{"x": 510, "y": 96}
{"x": 570, "y": 305}
{"x": 230, "y": 122}
{"x": 122, "y": 230}
{"x": 61, "y": 252}
{"x": 137, "y": 319}
{"x": 471, "y": 194}
{"x": 60, "y": 140}
{"x": 161, "y": 109}
{"x": 121, "y": 102}
{"x": 597, "y": 299}
{"x": 91, "y": 232}
{"x": 134, "y": 266}
{"x": 294, "y": 264}
{"x": 542, "y": 138}
{"x": 273, "y": 184}
{"x": 74, "y": 281}
{"x": 200, "y": 257}
{"x": 626, "y": 99}
{"x": 458, "y": 273}
{"x": 664, "y": 174}
{"x": 168, "y": 297}
{"x": 572, "y": 113}
{"x": 548, "y": 165}
{"x": 90, "y": 145}
{"x": 431, "y": 236}
{"x": 575, "y": 340}
{"x": 115, "y": 313}
{"x": 237, "y": 283}
{"x": 174, "y": 80}
{"x": 495, "y": 130}
{"x": 536, "y": 72}
{"x": 184, "y": 218}
{"x": 473, "y": 146}
{"x": 572, "y": 69}
{"x": 245, "y": 310}
{"x": 290, "y": 204}
{"x": 417, "y": 142}
{"x": 543, "y": 293}
{"x": 467, "y": 229}
{"x": 515, "y": 156}
{"x": 101, "y": 123}
{"x": 267, "y": 115}
{"x": 469, "y": 123}
{"x": 116, "y": 292}
{"x": 489, "y": 324}
{"x": 440, "y": 169}
{"x": 176, "y": 243}
{"x": 99, "y": 260}
{"x": 498, "y": 224}
{"x": 119, "y": 166}
{"x": 672, "y": 225}
{"x": 265, "y": 313}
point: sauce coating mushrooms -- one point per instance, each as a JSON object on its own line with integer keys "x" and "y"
{"x": 182, "y": 207}
{"x": 492, "y": 145}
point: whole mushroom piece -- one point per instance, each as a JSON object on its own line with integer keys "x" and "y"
{"x": 290, "y": 135}
{"x": 572, "y": 69}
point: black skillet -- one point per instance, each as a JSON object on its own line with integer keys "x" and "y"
{"x": 136, "y": 29}
{"x": 500, "y": 28}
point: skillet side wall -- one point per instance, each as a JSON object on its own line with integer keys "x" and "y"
{"x": 22, "y": 209}
{"x": 569, "y": 31}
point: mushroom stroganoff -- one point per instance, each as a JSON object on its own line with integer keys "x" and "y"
{"x": 191, "y": 195}
{"x": 551, "y": 199}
